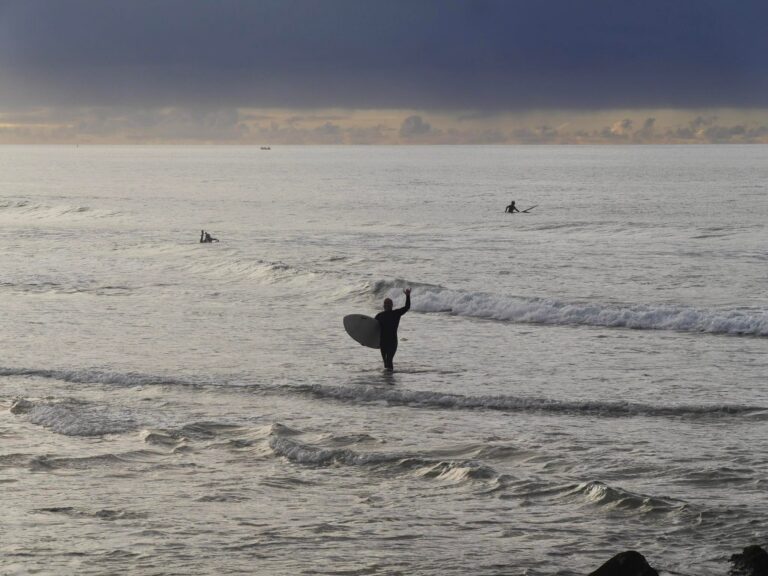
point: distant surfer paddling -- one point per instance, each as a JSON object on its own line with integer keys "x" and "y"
{"x": 206, "y": 238}
{"x": 511, "y": 208}
{"x": 389, "y": 320}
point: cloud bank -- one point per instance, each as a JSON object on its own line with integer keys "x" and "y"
{"x": 497, "y": 55}
{"x": 279, "y": 126}
{"x": 367, "y": 71}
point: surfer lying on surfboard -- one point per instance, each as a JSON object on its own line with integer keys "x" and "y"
{"x": 389, "y": 320}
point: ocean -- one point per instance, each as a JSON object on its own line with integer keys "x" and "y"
{"x": 582, "y": 379}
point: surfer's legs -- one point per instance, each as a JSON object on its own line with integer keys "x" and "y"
{"x": 388, "y": 355}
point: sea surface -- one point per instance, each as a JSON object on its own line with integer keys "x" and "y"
{"x": 582, "y": 379}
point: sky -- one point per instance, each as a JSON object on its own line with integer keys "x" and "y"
{"x": 383, "y": 71}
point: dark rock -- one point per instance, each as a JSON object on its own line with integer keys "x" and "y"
{"x": 21, "y": 406}
{"x": 753, "y": 561}
{"x": 628, "y": 563}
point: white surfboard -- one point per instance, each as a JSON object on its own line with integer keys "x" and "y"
{"x": 363, "y": 329}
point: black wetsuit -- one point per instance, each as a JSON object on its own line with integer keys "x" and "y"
{"x": 389, "y": 320}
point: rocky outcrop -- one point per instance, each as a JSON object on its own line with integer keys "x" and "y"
{"x": 21, "y": 406}
{"x": 628, "y": 563}
{"x": 753, "y": 561}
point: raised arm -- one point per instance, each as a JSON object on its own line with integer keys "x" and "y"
{"x": 407, "y": 306}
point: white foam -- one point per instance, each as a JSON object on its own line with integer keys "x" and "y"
{"x": 750, "y": 322}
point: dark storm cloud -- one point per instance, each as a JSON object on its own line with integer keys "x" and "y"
{"x": 429, "y": 54}
{"x": 414, "y": 126}
{"x": 647, "y": 132}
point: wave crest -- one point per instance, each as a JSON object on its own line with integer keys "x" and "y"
{"x": 452, "y": 471}
{"x": 74, "y": 418}
{"x": 603, "y": 495}
{"x": 39, "y": 211}
{"x": 431, "y": 298}
{"x": 442, "y": 400}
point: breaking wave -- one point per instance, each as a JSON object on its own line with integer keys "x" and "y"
{"x": 71, "y": 417}
{"x": 38, "y": 211}
{"x": 442, "y": 400}
{"x": 453, "y": 471}
{"x": 605, "y": 496}
{"x": 431, "y": 298}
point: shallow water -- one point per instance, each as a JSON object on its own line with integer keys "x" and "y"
{"x": 572, "y": 382}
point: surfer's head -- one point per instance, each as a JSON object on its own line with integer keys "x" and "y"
{"x": 387, "y": 303}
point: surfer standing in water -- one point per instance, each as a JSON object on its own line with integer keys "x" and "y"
{"x": 389, "y": 320}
